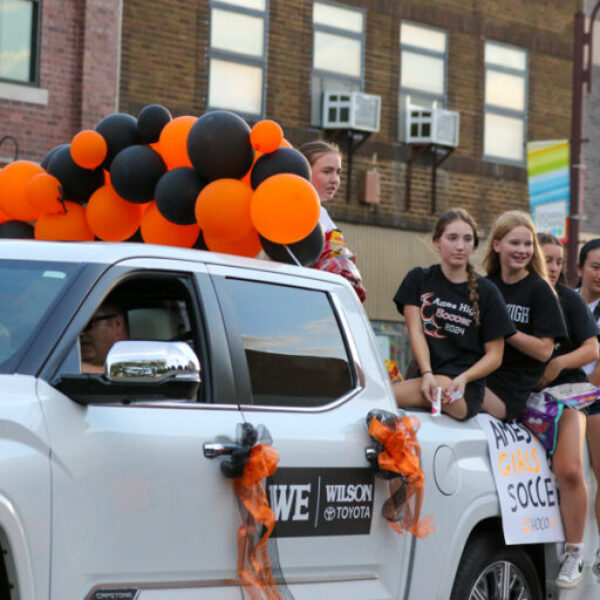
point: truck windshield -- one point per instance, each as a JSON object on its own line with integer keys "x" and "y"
{"x": 27, "y": 290}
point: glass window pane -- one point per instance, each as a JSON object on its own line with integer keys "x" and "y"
{"x": 235, "y": 86}
{"x": 337, "y": 53}
{"x": 253, "y": 4}
{"x": 335, "y": 16}
{"x": 15, "y": 39}
{"x": 504, "y": 56}
{"x": 295, "y": 351}
{"x": 503, "y": 137}
{"x": 236, "y": 32}
{"x": 507, "y": 91}
{"x": 422, "y": 72}
{"x": 423, "y": 37}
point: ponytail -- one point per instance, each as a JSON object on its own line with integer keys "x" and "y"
{"x": 473, "y": 293}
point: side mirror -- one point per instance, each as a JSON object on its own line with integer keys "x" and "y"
{"x": 138, "y": 371}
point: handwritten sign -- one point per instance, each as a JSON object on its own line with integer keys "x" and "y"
{"x": 526, "y": 486}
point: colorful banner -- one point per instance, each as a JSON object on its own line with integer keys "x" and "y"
{"x": 526, "y": 487}
{"x": 549, "y": 186}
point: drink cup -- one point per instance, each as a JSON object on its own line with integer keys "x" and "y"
{"x": 436, "y": 405}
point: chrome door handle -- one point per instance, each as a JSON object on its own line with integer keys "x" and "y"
{"x": 214, "y": 449}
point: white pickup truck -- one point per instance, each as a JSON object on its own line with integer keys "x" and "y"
{"x": 106, "y": 491}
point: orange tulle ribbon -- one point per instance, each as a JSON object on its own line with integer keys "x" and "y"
{"x": 402, "y": 454}
{"x": 254, "y": 566}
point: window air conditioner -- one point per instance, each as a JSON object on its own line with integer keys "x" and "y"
{"x": 351, "y": 110}
{"x": 431, "y": 126}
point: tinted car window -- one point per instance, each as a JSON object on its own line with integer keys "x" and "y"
{"x": 28, "y": 290}
{"x": 295, "y": 350}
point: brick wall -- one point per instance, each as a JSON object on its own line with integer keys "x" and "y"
{"x": 78, "y": 68}
{"x": 164, "y": 59}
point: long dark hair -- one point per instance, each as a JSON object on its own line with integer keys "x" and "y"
{"x": 459, "y": 214}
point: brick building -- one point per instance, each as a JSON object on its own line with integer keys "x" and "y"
{"x": 504, "y": 66}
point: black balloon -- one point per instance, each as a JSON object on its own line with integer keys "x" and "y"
{"x": 219, "y": 146}
{"x": 120, "y": 131}
{"x": 176, "y": 193}
{"x": 283, "y": 160}
{"x": 135, "y": 171}
{"x": 16, "y": 230}
{"x": 200, "y": 243}
{"x": 46, "y": 160}
{"x": 78, "y": 183}
{"x": 306, "y": 251}
{"x": 150, "y": 122}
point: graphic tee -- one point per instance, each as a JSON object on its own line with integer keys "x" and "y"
{"x": 580, "y": 327}
{"x": 455, "y": 341}
{"x": 534, "y": 310}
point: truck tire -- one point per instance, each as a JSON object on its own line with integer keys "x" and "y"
{"x": 490, "y": 570}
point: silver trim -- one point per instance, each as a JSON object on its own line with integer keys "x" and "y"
{"x": 172, "y": 585}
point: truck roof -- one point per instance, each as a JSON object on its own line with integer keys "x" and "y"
{"x": 114, "y": 252}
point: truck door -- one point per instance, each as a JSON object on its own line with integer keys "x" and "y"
{"x": 138, "y": 512}
{"x": 308, "y": 384}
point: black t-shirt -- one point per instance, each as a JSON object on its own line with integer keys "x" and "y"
{"x": 455, "y": 341}
{"x": 580, "y": 327}
{"x": 534, "y": 309}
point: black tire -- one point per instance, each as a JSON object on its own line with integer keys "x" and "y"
{"x": 491, "y": 570}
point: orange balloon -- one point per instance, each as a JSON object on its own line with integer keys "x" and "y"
{"x": 285, "y": 144}
{"x": 69, "y": 226}
{"x": 266, "y": 136}
{"x": 45, "y": 192}
{"x": 223, "y": 209}
{"x": 14, "y": 178}
{"x": 249, "y": 245}
{"x": 285, "y": 208}
{"x": 88, "y": 149}
{"x": 246, "y": 178}
{"x": 112, "y": 218}
{"x": 4, "y": 217}
{"x": 157, "y": 230}
{"x": 173, "y": 142}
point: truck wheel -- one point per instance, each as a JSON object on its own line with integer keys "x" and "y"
{"x": 489, "y": 570}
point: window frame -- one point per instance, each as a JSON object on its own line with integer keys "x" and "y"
{"x": 322, "y": 74}
{"x": 506, "y": 112}
{"x": 237, "y": 351}
{"x": 407, "y": 91}
{"x": 238, "y": 57}
{"x": 35, "y": 49}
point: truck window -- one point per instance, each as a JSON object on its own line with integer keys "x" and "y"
{"x": 29, "y": 289}
{"x": 295, "y": 350}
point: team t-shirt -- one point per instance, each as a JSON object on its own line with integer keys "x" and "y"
{"x": 534, "y": 310}
{"x": 455, "y": 341}
{"x": 580, "y": 327}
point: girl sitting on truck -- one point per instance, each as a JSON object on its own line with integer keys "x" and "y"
{"x": 578, "y": 348}
{"x": 456, "y": 323}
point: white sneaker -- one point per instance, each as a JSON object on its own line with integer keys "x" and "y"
{"x": 596, "y": 567}
{"x": 571, "y": 570}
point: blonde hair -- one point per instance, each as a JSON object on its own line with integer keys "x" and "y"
{"x": 459, "y": 214}
{"x": 314, "y": 150}
{"x": 503, "y": 225}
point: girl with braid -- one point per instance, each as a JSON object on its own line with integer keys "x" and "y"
{"x": 515, "y": 263}
{"x": 456, "y": 321}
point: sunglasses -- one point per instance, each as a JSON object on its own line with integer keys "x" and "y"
{"x": 97, "y": 319}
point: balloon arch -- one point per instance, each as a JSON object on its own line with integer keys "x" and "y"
{"x": 209, "y": 182}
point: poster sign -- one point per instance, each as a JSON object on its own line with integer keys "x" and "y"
{"x": 526, "y": 487}
{"x": 549, "y": 188}
{"x": 325, "y": 501}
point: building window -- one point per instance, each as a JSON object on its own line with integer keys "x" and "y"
{"x": 505, "y": 113}
{"x": 423, "y": 64}
{"x": 238, "y": 56}
{"x": 19, "y": 40}
{"x": 338, "y": 52}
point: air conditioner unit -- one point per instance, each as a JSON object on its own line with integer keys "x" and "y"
{"x": 351, "y": 110}
{"x": 431, "y": 126}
